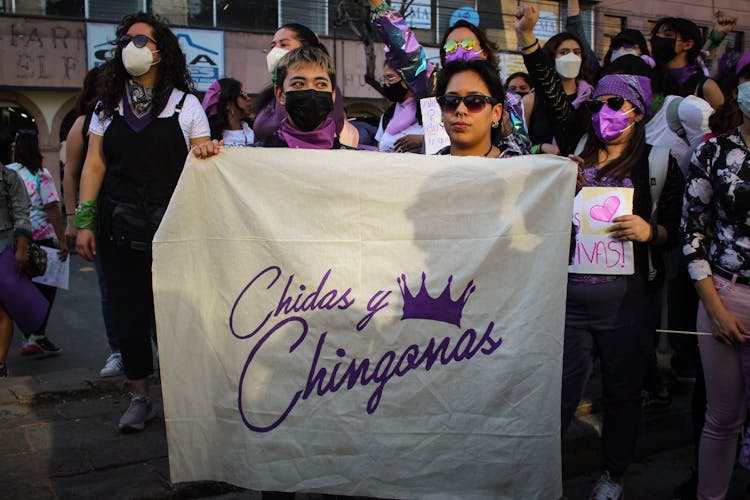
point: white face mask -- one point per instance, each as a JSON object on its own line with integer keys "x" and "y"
{"x": 137, "y": 61}
{"x": 274, "y": 56}
{"x": 622, "y": 51}
{"x": 568, "y": 65}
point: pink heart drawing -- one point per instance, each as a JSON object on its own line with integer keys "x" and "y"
{"x": 605, "y": 212}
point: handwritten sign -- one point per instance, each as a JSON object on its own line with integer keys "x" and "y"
{"x": 435, "y": 136}
{"x": 57, "y": 273}
{"x": 355, "y": 325}
{"x": 596, "y": 251}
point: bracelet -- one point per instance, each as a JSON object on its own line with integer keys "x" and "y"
{"x": 521, "y": 49}
{"x": 536, "y": 149}
{"x": 85, "y": 216}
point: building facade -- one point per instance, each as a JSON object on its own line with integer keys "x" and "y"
{"x": 46, "y": 46}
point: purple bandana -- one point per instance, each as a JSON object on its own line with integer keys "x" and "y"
{"x": 211, "y": 99}
{"x": 320, "y": 138}
{"x": 138, "y": 123}
{"x": 682, "y": 75}
{"x": 404, "y": 115}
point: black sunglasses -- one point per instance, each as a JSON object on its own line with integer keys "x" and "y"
{"x": 474, "y": 102}
{"x": 614, "y": 103}
{"x": 139, "y": 41}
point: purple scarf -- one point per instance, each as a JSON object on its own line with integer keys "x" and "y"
{"x": 138, "y": 123}
{"x": 682, "y": 75}
{"x": 320, "y": 138}
{"x": 404, "y": 115}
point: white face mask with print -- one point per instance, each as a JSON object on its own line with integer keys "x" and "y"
{"x": 568, "y": 65}
{"x": 274, "y": 56}
{"x": 743, "y": 98}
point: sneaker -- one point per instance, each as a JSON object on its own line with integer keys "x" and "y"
{"x": 688, "y": 490}
{"x": 4, "y": 370}
{"x": 656, "y": 401}
{"x": 39, "y": 344}
{"x": 607, "y": 489}
{"x": 140, "y": 411}
{"x": 113, "y": 366}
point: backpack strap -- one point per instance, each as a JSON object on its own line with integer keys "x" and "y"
{"x": 673, "y": 118}
{"x": 178, "y": 108}
{"x": 658, "y": 164}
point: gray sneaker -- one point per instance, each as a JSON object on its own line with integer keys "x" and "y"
{"x": 140, "y": 411}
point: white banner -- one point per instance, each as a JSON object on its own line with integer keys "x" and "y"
{"x": 360, "y": 323}
{"x": 204, "y": 50}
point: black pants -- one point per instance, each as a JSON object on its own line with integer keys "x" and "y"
{"x": 49, "y": 293}
{"x": 613, "y": 319}
{"x": 128, "y": 276}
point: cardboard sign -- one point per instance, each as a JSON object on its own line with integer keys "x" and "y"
{"x": 353, "y": 322}
{"x": 596, "y": 251}
{"x": 435, "y": 136}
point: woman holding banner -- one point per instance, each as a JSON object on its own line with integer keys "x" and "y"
{"x": 139, "y": 139}
{"x": 716, "y": 227}
{"x": 613, "y": 314}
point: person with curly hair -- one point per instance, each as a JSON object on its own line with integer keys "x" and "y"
{"x": 140, "y": 135}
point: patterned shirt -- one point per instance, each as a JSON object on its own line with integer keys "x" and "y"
{"x": 716, "y": 209}
{"x": 42, "y": 191}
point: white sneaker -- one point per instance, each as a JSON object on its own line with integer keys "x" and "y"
{"x": 113, "y": 366}
{"x": 607, "y": 489}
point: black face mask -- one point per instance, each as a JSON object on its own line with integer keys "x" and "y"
{"x": 308, "y": 108}
{"x": 662, "y": 49}
{"x": 395, "y": 92}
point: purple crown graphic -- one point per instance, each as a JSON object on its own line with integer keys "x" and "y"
{"x": 443, "y": 308}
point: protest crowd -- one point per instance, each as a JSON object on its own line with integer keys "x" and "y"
{"x": 672, "y": 107}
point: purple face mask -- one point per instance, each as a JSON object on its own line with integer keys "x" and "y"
{"x": 610, "y": 124}
{"x": 462, "y": 54}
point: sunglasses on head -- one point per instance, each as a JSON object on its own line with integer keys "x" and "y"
{"x": 244, "y": 95}
{"x": 474, "y": 102}
{"x": 451, "y": 45}
{"x": 614, "y": 103}
{"x": 139, "y": 41}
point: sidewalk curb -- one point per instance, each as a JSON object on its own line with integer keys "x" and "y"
{"x": 55, "y": 386}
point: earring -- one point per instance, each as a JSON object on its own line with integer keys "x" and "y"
{"x": 442, "y": 124}
{"x": 495, "y": 124}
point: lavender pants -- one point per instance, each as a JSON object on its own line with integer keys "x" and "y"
{"x": 725, "y": 391}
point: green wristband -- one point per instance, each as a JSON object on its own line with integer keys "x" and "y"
{"x": 85, "y": 217}
{"x": 536, "y": 149}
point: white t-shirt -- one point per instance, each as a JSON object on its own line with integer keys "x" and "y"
{"x": 244, "y": 137}
{"x": 386, "y": 140}
{"x": 193, "y": 121}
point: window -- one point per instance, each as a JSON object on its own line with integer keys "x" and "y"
{"x": 612, "y": 26}
{"x": 65, "y": 8}
{"x": 247, "y": 15}
{"x": 113, "y": 10}
{"x": 311, "y": 13}
{"x": 736, "y": 41}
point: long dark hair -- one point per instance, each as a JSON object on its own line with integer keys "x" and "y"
{"x": 687, "y": 30}
{"x": 490, "y": 48}
{"x": 622, "y": 166}
{"x": 485, "y": 72}
{"x": 172, "y": 69}
{"x": 550, "y": 49}
{"x": 230, "y": 92}
{"x": 90, "y": 92}
{"x": 307, "y": 38}
{"x": 26, "y": 150}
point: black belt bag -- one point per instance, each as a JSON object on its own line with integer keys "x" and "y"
{"x": 134, "y": 225}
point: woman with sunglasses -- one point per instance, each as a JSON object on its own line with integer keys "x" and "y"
{"x": 466, "y": 42}
{"x": 553, "y": 113}
{"x": 268, "y": 113}
{"x": 227, "y": 107}
{"x": 716, "y": 244}
{"x": 471, "y": 99}
{"x": 139, "y": 138}
{"x": 400, "y": 128}
{"x": 613, "y": 314}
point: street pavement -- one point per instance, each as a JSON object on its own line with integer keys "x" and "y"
{"x": 59, "y": 436}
